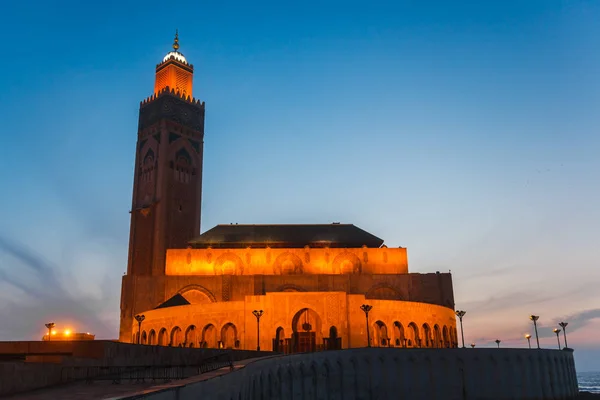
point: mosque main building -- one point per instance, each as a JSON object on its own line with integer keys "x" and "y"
{"x": 286, "y": 288}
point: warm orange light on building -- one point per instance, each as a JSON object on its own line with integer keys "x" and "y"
{"x": 312, "y": 261}
{"x": 175, "y": 73}
{"x": 68, "y": 335}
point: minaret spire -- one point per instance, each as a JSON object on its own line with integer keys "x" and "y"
{"x": 176, "y": 42}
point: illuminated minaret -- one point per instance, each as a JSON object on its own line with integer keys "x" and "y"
{"x": 167, "y": 184}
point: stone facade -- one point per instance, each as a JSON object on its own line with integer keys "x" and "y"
{"x": 167, "y": 185}
{"x": 335, "y": 321}
{"x": 310, "y": 280}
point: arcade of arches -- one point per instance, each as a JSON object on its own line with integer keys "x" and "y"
{"x": 299, "y": 322}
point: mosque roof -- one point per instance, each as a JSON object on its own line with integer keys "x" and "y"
{"x": 288, "y": 236}
{"x": 175, "y": 54}
{"x": 177, "y": 300}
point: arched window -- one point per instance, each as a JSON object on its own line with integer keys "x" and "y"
{"x": 182, "y": 166}
{"x": 147, "y": 167}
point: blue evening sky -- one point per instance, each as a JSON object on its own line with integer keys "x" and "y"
{"x": 466, "y": 131}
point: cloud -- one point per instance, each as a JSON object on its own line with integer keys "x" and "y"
{"x": 505, "y": 301}
{"x": 29, "y": 258}
{"x": 49, "y": 299}
{"x": 580, "y": 319}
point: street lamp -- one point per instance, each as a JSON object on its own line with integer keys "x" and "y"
{"x": 460, "y": 314}
{"x": 557, "y": 331}
{"x": 528, "y": 337}
{"x": 139, "y": 318}
{"x": 50, "y": 325}
{"x": 257, "y": 314}
{"x": 564, "y": 326}
{"x": 366, "y": 308}
{"x": 498, "y": 342}
{"x": 534, "y": 318}
{"x": 472, "y": 345}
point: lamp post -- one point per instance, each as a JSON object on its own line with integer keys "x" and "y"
{"x": 498, "y": 342}
{"x": 460, "y": 314}
{"x": 139, "y": 318}
{"x": 366, "y": 308}
{"x": 528, "y": 337}
{"x": 557, "y": 331}
{"x": 257, "y": 314}
{"x": 50, "y": 325}
{"x": 472, "y": 345}
{"x": 534, "y": 318}
{"x": 564, "y": 326}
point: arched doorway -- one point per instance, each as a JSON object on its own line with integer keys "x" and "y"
{"x": 437, "y": 336}
{"x": 380, "y": 334}
{"x": 152, "y": 337}
{"x": 399, "y": 340}
{"x": 426, "y": 336}
{"x": 229, "y": 336}
{"x": 413, "y": 336}
{"x": 445, "y": 337}
{"x": 306, "y": 326}
{"x": 163, "y": 339}
{"x": 333, "y": 342}
{"x": 176, "y": 337}
{"x": 209, "y": 337}
{"x": 280, "y": 343}
{"x": 190, "y": 336}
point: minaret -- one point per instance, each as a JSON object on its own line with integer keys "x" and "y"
{"x": 167, "y": 184}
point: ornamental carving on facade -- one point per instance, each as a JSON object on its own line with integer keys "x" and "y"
{"x": 346, "y": 263}
{"x": 287, "y": 264}
{"x": 228, "y": 264}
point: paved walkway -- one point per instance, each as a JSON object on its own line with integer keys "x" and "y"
{"x": 107, "y": 390}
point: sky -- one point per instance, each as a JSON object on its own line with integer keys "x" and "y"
{"x": 466, "y": 131}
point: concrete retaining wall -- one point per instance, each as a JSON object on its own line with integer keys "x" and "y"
{"x": 48, "y": 359}
{"x": 379, "y": 373}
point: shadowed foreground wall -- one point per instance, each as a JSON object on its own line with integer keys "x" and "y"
{"x": 396, "y": 373}
{"x": 45, "y": 361}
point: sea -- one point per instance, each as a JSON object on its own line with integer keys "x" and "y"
{"x": 589, "y": 382}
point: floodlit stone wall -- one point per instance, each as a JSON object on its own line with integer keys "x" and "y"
{"x": 286, "y": 261}
{"x": 428, "y": 374}
{"x": 335, "y": 321}
{"x": 226, "y": 294}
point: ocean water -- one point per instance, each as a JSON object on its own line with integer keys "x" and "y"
{"x": 589, "y": 381}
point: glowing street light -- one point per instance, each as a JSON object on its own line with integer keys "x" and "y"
{"x": 139, "y": 318}
{"x": 366, "y": 308}
{"x": 564, "y": 326}
{"x": 257, "y": 314}
{"x": 534, "y": 318}
{"x": 460, "y": 314}
{"x": 528, "y": 337}
{"x": 498, "y": 342}
{"x": 557, "y": 331}
{"x": 50, "y": 325}
{"x": 472, "y": 345}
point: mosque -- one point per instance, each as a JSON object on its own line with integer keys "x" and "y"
{"x": 285, "y": 288}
